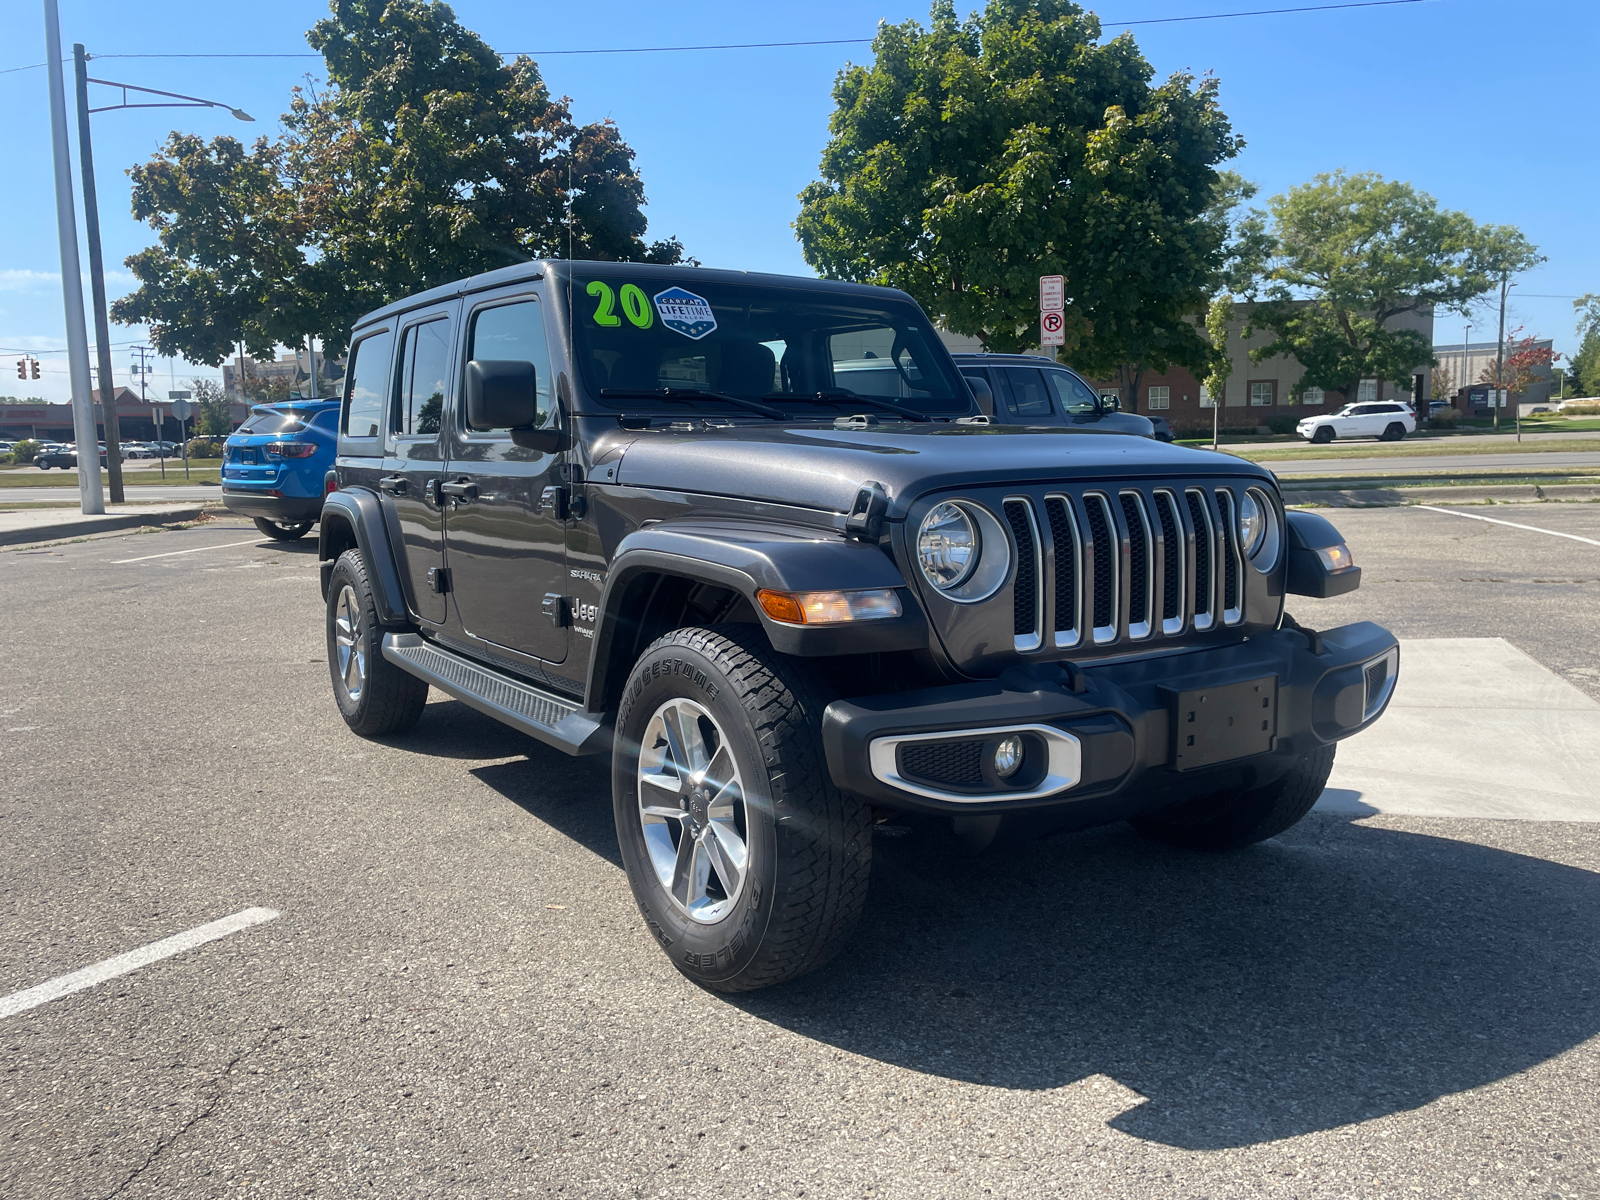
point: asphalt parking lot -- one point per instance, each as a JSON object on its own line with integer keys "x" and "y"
{"x": 457, "y": 997}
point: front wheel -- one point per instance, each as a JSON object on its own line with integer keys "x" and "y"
{"x": 1233, "y": 820}
{"x": 375, "y": 697}
{"x": 748, "y": 865}
{"x": 1323, "y": 435}
{"x": 284, "y": 531}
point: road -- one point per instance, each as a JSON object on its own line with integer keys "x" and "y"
{"x": 458, "y": 998}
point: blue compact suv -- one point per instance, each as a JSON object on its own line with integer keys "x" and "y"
{"x": 274, "y": 465}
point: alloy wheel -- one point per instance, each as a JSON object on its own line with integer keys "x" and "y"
{"x": 348, "y": 643}
{"x": 692, "y": 809}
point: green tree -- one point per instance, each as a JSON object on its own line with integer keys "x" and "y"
{"x": 212, "y": 418}
{"x": 425, "y": 159}
{"x": 975, "y": 155}
{"x": 1218, "y": 318}
{"x": 1364, "y": 250}
{"x": 1584, "y": 372}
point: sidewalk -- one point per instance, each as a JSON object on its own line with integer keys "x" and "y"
{"x": 19, "y": 526}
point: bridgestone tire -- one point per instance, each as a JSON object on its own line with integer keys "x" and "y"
{"x": 389, "y": 700}
{"x": 1395, "y": 432}
{"x": 1323, "y": 435}
{"x": 283, "y": 532}
{"x": 809, "y": 846}
{"x": 1234, "y": 820}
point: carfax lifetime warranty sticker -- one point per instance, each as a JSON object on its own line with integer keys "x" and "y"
{"x": 685, "y": 313}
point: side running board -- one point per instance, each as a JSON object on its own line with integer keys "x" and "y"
{"x": 554, "y": 720}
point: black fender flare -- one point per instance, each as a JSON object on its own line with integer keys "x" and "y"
{"x": 359, "y": 511}
{"x": 746, "y": 558}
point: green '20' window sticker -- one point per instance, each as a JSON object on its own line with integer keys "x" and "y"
{"x": 635, "y": 305}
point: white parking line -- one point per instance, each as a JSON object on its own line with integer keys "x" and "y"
{"x": 117, "y": 562}
{"x": 122, "y": 964}
{"x": 1450, "y": 512}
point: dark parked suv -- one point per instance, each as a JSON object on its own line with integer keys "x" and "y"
{"x": 646, "y": 511}
{"x": 1028, "y": 389}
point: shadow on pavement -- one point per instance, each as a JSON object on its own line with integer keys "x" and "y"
{"x": 1336, "y": 974}
{"x": 571, "y": 795}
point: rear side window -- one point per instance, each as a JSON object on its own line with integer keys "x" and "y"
{"x": 424, "y": 378}
{"x": 271, "y": 422}
{"x": 1025, "y": 394}
{"x": 365, "y": 391}
{"x": 513, "y": 333}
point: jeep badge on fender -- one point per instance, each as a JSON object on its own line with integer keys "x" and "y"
{"x": 750, "y": 536}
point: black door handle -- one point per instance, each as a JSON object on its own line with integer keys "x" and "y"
{"x": 461, "y": 489}
{"x": 395, "y": 485}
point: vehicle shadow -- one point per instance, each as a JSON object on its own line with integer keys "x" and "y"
{"x": 571, "y": 795}
{"x": 1339, "y": 973}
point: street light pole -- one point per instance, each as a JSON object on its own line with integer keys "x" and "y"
{"x": 97, "y": 279}
{"x": 90, "y": 498}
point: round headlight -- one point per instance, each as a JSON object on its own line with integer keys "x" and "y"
{"x": 948, "y": 546}
{"x": 1252, "y": 524}
{"x": 1007, "y": 757}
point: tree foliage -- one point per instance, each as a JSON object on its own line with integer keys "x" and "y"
{"x": 1525, "y": 363}
{"x": 423, "y": 160}
{"x": 976, "y": 155}
{"x": 212, "y": 417}
{"x": 1363, "y": 250}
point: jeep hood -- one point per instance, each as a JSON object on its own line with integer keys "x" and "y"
{"x": 822, "y": 467}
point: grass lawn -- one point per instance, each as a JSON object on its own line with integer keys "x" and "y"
{"x": 32, "y": 477}
{"x": 1431, "y": 448}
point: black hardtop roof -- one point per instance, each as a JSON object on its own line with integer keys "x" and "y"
{"x": 557, "y": 269}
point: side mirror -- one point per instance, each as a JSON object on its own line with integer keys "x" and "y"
{"x": 1319, "y": 561}
{"x": 1111, "y": 403}
{"x": 503, "y": 394}
{"x": 982, "y": 394}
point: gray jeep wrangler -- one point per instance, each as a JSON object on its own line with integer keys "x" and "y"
{"x": 753, "y": 537}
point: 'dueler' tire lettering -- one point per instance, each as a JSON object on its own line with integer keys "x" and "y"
{"x": 374, "y": 696}
{"x": 1233, "y": 820}
{"x": 718, "y": 740}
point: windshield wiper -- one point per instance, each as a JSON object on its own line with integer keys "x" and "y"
{"x": 687, "y": 394}
{"x": 844, "y": 396}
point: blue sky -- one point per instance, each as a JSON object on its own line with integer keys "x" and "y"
{"x": 1485, "y": 104}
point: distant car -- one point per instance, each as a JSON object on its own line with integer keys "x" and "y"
{"x": 67, "y": 460}
{"x": 136, "y": 450}
{"x": 1163, "y": 428}
{"x": 1538, "y": 408}
{"x": 274, "y": 465}
{"x": 1388, "y": 421}
{"x": 1438, "y": 406}
{"x": 1029, "y": 389}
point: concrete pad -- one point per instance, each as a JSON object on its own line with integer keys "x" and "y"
{"x": 1476, "y": 729}
{"x": 21, "y": 526}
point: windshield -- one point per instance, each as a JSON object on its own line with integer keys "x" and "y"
{"x": 780, "y": 346}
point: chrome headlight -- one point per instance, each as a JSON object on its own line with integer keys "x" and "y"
{"x": 963, "y": 551}
{"x": 1259, "y": 535}
{"x": 948, "y": 546}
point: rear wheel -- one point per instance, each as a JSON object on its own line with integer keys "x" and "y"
{"x": 1394, "y": 432}
{"x": 1233, "y": 820}
{"x": 749, "y": 866}
{"x": 375, "y": 697}
{"x": 284, "y": 531}
{"x": 1323, "y": 435}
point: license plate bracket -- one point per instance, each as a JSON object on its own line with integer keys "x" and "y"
{"x": 1221, "y": 723}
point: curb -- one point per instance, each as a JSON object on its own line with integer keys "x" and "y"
{"x": 108, "y": 523}
{"x": 1392, "y": 497}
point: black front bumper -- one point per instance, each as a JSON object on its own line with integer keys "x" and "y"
{"x": 290, "y": 510}
{"x": 1145, "y": 737}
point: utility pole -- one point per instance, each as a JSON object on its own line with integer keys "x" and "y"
{"x": 97, "y": 279}
{"x": 91, "y": 499}
{"x": 1500, "y": 354}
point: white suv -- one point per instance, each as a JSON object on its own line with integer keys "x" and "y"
{"x": 1388, "y": 422}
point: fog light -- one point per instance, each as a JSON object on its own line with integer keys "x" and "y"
{"x": 1007, "y": 756}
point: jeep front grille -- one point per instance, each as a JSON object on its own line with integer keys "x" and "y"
{"x": 1124, "y": 566}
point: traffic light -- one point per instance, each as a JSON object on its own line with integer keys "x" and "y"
{"x": 35, "y": 368}
{"x": 22, "y": 368}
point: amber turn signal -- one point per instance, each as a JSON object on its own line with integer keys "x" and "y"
{"x": 829, "y": 608}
